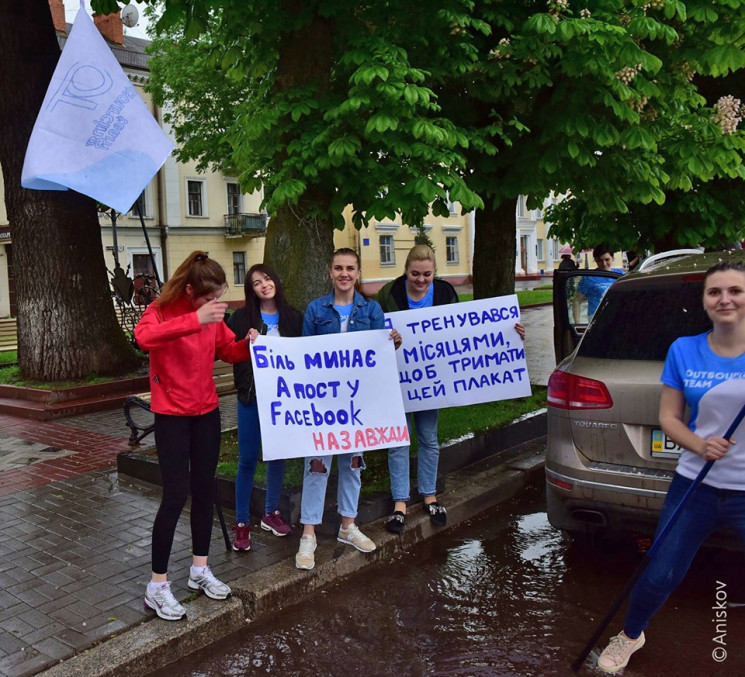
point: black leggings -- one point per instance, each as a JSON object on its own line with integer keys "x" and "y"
{"x": 188, "y": 450}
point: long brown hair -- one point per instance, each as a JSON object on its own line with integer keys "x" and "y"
{"x": 346, "y": 251}
{"x": 200, "y": 271}
{"x": 253, "y": 305}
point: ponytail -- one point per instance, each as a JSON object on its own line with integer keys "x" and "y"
{"x": 198, "y": 270}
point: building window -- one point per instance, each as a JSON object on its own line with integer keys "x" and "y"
{"x": 141, "y": 201}
{"x": 239, "y": 268}
{"x": 234, "y": 198}
{"x": 194, "y": 190}
{"x": 142, "y": 264}
{"x": 451, "y": 249}
{"x": 521, "y": 210}
{"x": 539, "y": 250}
{"x": 387, "y": 252}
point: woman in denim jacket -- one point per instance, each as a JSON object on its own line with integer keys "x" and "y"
{"x": 345, "y": 309}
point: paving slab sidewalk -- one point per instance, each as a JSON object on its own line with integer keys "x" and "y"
{"x": 75, "y": 546}
{"x": 75, "y": 553}
{"x": 266, "y": 580}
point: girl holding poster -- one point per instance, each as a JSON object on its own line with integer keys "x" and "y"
{"x": 418, "y": 288}
{"x": 345, "y": 309}
{"x": 183, "y": 330}
{"x": 268, "y": 313}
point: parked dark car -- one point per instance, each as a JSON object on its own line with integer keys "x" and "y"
{"x": 608, "y": 463}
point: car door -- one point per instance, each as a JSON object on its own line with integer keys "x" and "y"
{"x": 570, "y": 310}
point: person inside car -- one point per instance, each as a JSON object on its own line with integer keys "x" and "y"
{"x": 593, "y": 288}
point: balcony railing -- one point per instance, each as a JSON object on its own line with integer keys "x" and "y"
{"x": 245, "y": 225}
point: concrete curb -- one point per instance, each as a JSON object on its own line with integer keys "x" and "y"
{"x": 154, "y": 644}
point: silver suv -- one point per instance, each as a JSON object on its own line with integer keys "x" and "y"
{"x": 608, "y": 463}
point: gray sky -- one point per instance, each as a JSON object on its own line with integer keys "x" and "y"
{"x": 71, "y": 11}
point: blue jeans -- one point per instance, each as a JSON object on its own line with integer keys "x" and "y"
{"x": 314, "y": 487}
{"x": 249, "y": 443}
{"x": 707, "y": 509}
{"x": 428, "y": 457}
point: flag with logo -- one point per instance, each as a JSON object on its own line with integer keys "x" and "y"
{"x": 94, "y": 133}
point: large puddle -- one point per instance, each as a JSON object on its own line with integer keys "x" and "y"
{"x": 503, "y": 595}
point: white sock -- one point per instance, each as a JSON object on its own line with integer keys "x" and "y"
{"x": 197, "y": 571}
{"x": 152, "y": 586}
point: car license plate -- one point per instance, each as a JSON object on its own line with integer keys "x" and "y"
{"x": 663, "y": 446}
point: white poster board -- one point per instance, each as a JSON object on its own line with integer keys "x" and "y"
{"x": 460, "y": 354}
{"x": 333, "y": 394}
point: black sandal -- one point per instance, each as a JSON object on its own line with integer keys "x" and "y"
{"x": 437, "y": 513}
{"x": 395, "y": 523}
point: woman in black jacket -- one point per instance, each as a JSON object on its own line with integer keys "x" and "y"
{"x": 266, "y": 312}
{"x": 418, "y": 288}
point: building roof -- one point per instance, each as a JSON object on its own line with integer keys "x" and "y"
{"x": 131, "y": 54}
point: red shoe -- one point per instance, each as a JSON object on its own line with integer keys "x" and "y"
{"x": 242, "y": 540}
{"x": 273, "y": 522}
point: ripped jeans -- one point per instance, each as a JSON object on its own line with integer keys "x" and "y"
{"x": 314, "y": 487}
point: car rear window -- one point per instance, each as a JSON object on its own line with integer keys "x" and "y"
{"x": 636, "y": 322}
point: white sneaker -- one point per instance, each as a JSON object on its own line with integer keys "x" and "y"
{"x": 616, "y": 655}
{"x": 212, "y": 587}
{"x": 163, "y": 603}
{"x": 305, "y": 558}
{"x": 353, "y": 536}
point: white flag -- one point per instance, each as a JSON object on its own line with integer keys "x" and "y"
{"x": 94, "y": 133}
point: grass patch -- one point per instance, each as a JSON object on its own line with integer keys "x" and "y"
{"x": 11, "y": 376}
{"x": 8, "y": 356}
{"x": 453, "y": 424}
{"x": 228, "y": 464}
{"x": 525, "y": 297}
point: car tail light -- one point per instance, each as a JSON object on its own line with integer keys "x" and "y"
{"x": 567, "y": 391}
{"x": 561, "y": 484}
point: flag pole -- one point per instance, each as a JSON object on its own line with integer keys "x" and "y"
{"x": 149, "y": 247}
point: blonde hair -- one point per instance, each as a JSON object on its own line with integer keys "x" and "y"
{"x": 203, "y": 274}
{"x": 420, "y": 252}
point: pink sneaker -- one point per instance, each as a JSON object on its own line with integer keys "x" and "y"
{"x": 273, "y": 522}
{"x": 242, "y": 539}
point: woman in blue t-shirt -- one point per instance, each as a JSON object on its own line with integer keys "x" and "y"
{"x": 266, "y": 312}
{"x": 706, "y": 373}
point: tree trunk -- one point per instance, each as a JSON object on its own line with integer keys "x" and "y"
{"x": 300, "y": 250}
{"x": 67, "y": 327}
{"x": 300, "y": 238}
{"x": 494, "y": 250}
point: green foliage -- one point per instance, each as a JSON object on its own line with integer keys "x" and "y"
{"x": 356, "y": 123}
{"x": 388, "y": 107}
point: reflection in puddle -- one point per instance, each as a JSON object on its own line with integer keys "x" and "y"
{"x": 504, "y": 595}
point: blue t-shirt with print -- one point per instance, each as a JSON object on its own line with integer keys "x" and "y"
{"x": 714, "y": 389}
{"x": 594, "y": 289}
{"x": 271, "y": 320}
{"x": 427, "y": 301}
{"x": 344, "y": 313}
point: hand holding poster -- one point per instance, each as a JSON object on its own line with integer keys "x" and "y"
{"x": 460, "y": 354}
{"x": 330, "y": 394}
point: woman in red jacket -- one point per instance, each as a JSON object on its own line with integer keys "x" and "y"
{"x": 183, "y": 331}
